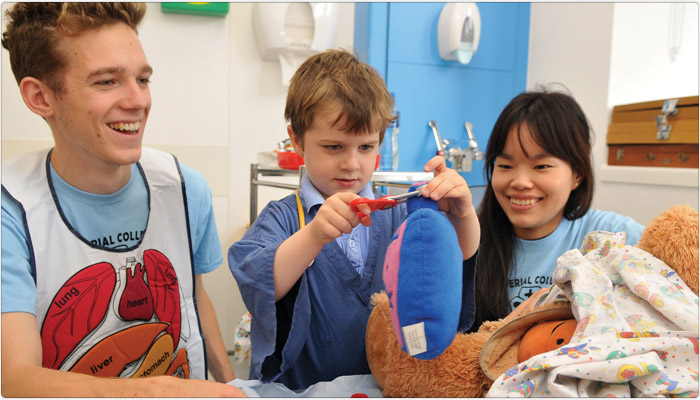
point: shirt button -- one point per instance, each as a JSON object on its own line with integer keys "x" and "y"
{"x": 352, "y": 243}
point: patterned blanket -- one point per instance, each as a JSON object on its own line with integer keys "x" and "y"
{"x": 637, "y": 331}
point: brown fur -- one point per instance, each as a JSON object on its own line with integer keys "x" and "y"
{"x": 452, "y": 374}
{"x": 671, "y": 237}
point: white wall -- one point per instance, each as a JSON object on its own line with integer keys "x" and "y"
{"x": 215, "y": 105}
{"x": 615, "y": 53}
{"x": 640, "y": 70}
{"x": 640, "y": 67}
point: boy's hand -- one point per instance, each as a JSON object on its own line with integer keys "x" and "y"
{"x": 455, "y": 199}
{"x": 335, "y": 217}
{"x": 449, "y": 189}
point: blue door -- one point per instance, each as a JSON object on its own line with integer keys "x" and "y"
{"x": 400, "y": 41}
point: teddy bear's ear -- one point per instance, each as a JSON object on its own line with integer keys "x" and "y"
{"x": 677, "y": 225}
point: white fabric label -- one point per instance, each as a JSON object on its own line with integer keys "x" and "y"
{"x": 414, "y": 337}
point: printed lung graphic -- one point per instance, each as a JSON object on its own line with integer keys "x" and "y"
{"x": 162, "y": 283}
{"x": 137, "y": 336}
{"x": 78, "y": 308}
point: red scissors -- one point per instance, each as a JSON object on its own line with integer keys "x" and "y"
{"x": 384, "y": 202}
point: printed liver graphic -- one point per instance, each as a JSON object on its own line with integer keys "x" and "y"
{"x": 83, "y": 332}
{"x": 108, "y": 357}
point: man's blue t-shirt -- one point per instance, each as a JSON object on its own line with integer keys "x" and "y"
{"x": 116, "y": 220}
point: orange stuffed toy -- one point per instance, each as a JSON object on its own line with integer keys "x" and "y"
{"x": 542, "y": 323}
{"x": 545, "y": 337}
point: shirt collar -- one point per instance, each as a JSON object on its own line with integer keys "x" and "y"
{"x": 313, "y": 197}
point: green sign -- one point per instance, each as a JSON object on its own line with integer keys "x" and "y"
{"x": 210, "y": 9}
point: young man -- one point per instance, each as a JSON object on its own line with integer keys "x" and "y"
{"x": 308, "y": 265}
{"x": 103, "y": 243}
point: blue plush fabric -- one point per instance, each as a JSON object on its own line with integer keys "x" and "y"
{"x": 416, "y": 203}
{"x": 429, "y": 289}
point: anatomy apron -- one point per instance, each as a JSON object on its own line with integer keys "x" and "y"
{"x": 113, "y": 312}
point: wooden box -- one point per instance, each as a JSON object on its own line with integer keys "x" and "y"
{"x": 661, "y": 133}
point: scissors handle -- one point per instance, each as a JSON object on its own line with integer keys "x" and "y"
{"x": 381, "y": 203}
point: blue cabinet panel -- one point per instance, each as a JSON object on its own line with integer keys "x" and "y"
{"x": 477, "y": 98}
{"x": 401, "y": 43}
{"x": 370, "y": 35}
{"x": 413, "y": 34}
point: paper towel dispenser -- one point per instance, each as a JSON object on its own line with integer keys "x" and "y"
{"x": 294, "y": 28}
{"x": 459, "y": 30}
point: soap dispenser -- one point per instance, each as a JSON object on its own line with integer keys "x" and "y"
{"x": 459, "y": 30}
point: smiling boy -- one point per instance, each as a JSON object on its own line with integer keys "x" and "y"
{"x": 308, "y": 265}
{"x": 78, "y": 309}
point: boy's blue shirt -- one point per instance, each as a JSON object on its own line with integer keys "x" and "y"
{"x": 354, "y": 244}
{"x": 317, "y": 331}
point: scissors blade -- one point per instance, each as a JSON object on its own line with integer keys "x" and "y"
{"x": 402, "y": 197}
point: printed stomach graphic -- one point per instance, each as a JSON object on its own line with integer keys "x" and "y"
{"x": 141, "y": 331}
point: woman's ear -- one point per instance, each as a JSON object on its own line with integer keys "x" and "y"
{"x": 578, "y": 178}
{"x": 37, "y": 96}
{"x": 296, "y": 144}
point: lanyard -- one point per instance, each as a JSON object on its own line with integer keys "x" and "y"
{"x": 302, "y": 218}
{"x": 300, "y": 209}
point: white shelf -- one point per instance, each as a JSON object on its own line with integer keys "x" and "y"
{"x": 379, "y": 178}
{"x": 401, "y": 176}
{"x": 685, "y": 177}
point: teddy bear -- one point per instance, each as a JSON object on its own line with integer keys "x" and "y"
{"x": 471, "y": 363}
{"x": 677, "y": 225}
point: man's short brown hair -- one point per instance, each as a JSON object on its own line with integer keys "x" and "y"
{"x": 34, "y": 32}
{"x": 337, "y": 80}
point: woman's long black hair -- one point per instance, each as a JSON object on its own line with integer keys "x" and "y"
{"x": 559, "y": 126}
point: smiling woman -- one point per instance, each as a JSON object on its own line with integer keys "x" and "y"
{"x": 537, "y": 202}
{"x": 531, "y": 185}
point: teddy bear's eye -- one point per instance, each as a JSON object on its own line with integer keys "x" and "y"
{"x": 560, "y": 341}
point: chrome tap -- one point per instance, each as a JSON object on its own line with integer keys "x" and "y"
{"x": 473, "y": 145}
{"x": 441, "y": 145}
{"x": 458, "y": 158}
